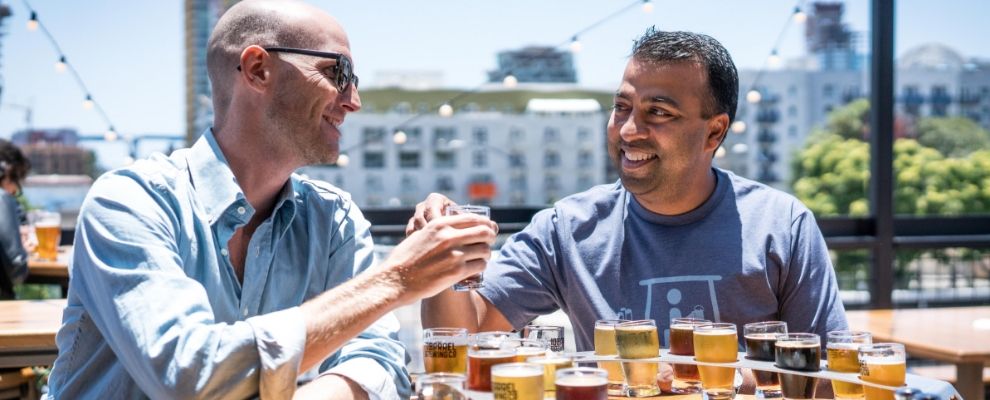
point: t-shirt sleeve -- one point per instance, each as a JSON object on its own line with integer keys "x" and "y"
{"x": 810, "y": 299}
{"x": 520, "y": 280}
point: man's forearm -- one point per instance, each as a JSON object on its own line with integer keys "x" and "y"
{"x": 451, "y": 309}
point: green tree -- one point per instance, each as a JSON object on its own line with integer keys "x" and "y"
{"x": 953, "y": 136}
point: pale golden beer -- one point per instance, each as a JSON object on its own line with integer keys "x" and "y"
{"x": 517, "y": 381}
{"x": 718, "y": 343}
{"x": 605, "y": 346}
{"x": 445, "y": 350}
{"x": 843, "y": 356}
{"x": 633, "y": 340}
{"x": 48, "y": 238}
{"x": 551, "y": 364}
{"x": 883, "y": 364}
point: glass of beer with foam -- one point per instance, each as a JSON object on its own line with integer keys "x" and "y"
{"x": 760, "y": 338}
{"x": 798, "y": 352}
{"x": 605, "y": 346}
{"x": 636, "y": 340}
{"x": 551, "y": 363}
{"x": 582, "y": 384}
{"x": 445, "y": 350}
{"x": 48, "y": 230}
{"x": 883, "y": 364}
{"x": 717, "y": 343}
{"x": 842, "y": 348}
{"x": 517, "y": 381}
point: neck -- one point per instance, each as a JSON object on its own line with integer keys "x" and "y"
{"x": 680, "y": 197}
{"x": 260, "y": 169}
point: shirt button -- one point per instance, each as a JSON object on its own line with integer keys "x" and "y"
{"x": 241, "y": 210}
{"x": 223, "y": 252}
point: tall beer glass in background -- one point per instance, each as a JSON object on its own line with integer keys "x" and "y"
{"x": 719, "y": 343}
{"x": 48, "y": 229}
{"x": 843, "y": 356}
{"x": 798, "y": 352}
{"x": 517, "y": 381}
{"x": 686, "y": 377}
{"x": 883, "y": 364}
{"x": 605, "y": 346}
{"x": 760, "y": 338}
{"x": 445, "y": 350}
{"x": 582, "y": 384}
{"x": 553, "y": 335}
{"x": 475, "y": 281}
{"x": 634, "y": 340}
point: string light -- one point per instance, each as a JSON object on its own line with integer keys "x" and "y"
{"x": 88, "y": 103}
{"x": 32, "y": 23}
{"x": 738, "y": 127}
{"x": 774, "y": 59}
{"x": 110, "y": 135}
{"x": 754, "y": 96}
{"x": 647, "y": 6}
{"x": 446, "y": 110}
{"x": 343, "y": 160}
{"x": 510, "y": 81}
{"x": 399, "y": 137}
{"x": 60, "y": 65}
{"x": 575, "y": 45}
{"x": 799, "y": 16}
{"x": 720, "y": 152}
{"x": 740, "y": 148}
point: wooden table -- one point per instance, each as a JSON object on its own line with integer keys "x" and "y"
{"x": 958, "y": 335}
{"x": 54, "y": 272}
{"x": 27, "y": 332}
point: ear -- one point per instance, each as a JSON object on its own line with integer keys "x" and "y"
{"x": 256, "y": 68}
{"x": 718, "y": 128}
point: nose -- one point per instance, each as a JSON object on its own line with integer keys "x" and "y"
{"x": 631, "y": 128}
{"x": 352, "y": 100}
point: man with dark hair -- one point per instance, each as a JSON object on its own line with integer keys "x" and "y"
{"x": 217, "y": 272}
{"x": 675, "y": 237}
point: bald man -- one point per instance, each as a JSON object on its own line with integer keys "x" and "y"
{"x": 216, "y": 272}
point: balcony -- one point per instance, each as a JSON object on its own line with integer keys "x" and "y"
{"x": 967, "y": 98}
{"x": 768, "y": 116}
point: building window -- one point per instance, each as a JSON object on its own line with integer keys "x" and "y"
{"x": 409, "y": 183}
{"x": 551, "y": 134}
{"x": 517, "y": 159}
{"x": 443, "y": 135}
{"x": 374, "y": 159}
{"x": 551, "y": 159}
{"x": 414, "y": 135}
{"x": 792, "y": 131}
{"x": 374, "y": 183}
{"x": 479, "y": 159}
{"x": 338, "y": 180}
{"x": 373, "y": 135}
{"x": 516, "y": 134}
{"x": 445, "y": 184}
{"x": 551, "y": 183}
{"x": 584, "y": 182}
{"x": 480, "y": 135}
{"x": 444, "y": 159}
{"x": 409, "y": 159}
{"x": 584, "y": 134}
{"x": 792, "y": 90}
{"x": 828, "y": 91}
{"x": 518, "y": 182}
{"x": 792, "y": 111}
{"x": 584, "y": 159}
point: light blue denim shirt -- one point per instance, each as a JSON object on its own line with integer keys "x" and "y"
{"x": 155, "y": 308}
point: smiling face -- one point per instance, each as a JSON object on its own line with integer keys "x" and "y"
{"x": 661, "y": 137}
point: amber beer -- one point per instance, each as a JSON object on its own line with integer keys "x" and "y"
{"x": 480, "y": 362}
{"x": 634, "y": 340}
{"x": 582, "y": 384}
{"x": 686, "y": 377}
{"x": 883, "y": 364}
{"x": 798, "y": 352}
{"x": 445, "y": 350}
{"x": 843, "y": 356}
{"x": 48, "y": 233}
{"x": 716, "y": 343}
{"x": 551, "y": 364}
{"x": 605, "y": 346}
{"x": 517, "y": 381}
{"x": 760, "y": 338}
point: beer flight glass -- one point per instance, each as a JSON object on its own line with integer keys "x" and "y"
{"x": 475, "y": 281}
{"x": 636, "y": 340}
{"x": 445, "y": 350}
{"x": 798, "y": 352}
{"x": 883, "y": 364}
{"x": 553, "y": 335}
{"x": 581, "y": 384}
{"x": 440, "y": 386}
{"x": 842, "y": 348}
{"x": 760, "y": 338}
{"x": 605, "y": 346}
{"x": 686, "y": 377}
{"x": 551, "y": 363}
{"x": 517, "y": 381}
{"x": 717, "y": 342}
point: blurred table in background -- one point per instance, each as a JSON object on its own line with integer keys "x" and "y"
{"x": 27, "y": 331}
{"x": 51, "y": 272}
{"x": 958, "y": 335}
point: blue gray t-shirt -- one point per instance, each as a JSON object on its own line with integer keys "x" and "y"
{"x": 749, "y": 253}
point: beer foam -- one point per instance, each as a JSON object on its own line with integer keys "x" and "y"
{"x": 517, "y": 372}
{"x": 687, "y": 327}
{"x": 716, "y": 332}
{"x": 881, "y": 360}
{"x": 637, "y": 328}
{"x": 491, "y": 354}
{"x": 797, "y": 344}
{"x": 844, "y": 346}
{"x": 582, "y": 380}
{"x": 761, "y": 336}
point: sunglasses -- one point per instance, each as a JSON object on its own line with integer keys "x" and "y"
{"x": 341, "y": 73}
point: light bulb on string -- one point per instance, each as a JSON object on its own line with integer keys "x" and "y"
{"x": 88, "y": 103}
{"x": 720, "y": 152}
{"x": 799, "y": 16}
{"x": 740, "y": 148}
{"x": 647, "y": 6}
{"x": 575, "y": 45}
{"x": 774, "y": 60}
{"x": 510, "y": 81}
{"x": 32, "y": 23}
{"x": 753, "y": 96}
{"x": 399, "y": 137}
{"x": 60, "y": 65}
{"x": 343, "y": 160}
{"x": 446, "y": 110}
{"x": 110, "y": 135}
{"x": 738, "y": 127}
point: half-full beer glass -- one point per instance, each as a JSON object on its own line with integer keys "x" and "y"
{"x": 883, "y": 364}
{"x": 445, "y": 350}
{"x": 799, "y": 352}
{"x": 605, "y": 346}
{"x": 843, "y": 356}
{"x": 760, "y": 338}
{"x": 718, "y": 343}
{"x": 686, "y": 377}
{"x": 634, "y": 340}
{"x": 475, "y": 281}
{"x": 48, "y": 229}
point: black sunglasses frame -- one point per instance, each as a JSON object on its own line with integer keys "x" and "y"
{"x": 343, "y": 71}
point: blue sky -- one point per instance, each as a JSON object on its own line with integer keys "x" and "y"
{"x": 131, "y": 54}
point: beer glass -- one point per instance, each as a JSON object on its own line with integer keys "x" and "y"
{"x": 517, "y": 381}
{"x": 445, "y": 350}
{"x": 551, "y": 363}
{"x": 490, "y": 340}
{"x": 441, "y": 386}
{"x": 525, "y": 348}
{"x": 48, "y": 230}
{"x": 686, "y": 378}
{"x": 605, "y": 346}
{"x": 475, "y": 281}
{"x": 634, "y": 340}
{"x": 760, "y": 338}
{"x": 480, "y": 362}
{"x": 883, "y": 364}
{"x": 843, "y": 356}
{"x": 553, "y": 335}
{"x": 719, "y": 343}
{"x": 582, "y": 384}
{"x": 799, "y": 352}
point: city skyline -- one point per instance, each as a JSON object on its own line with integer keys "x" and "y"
{"x": 138, "y": 77}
